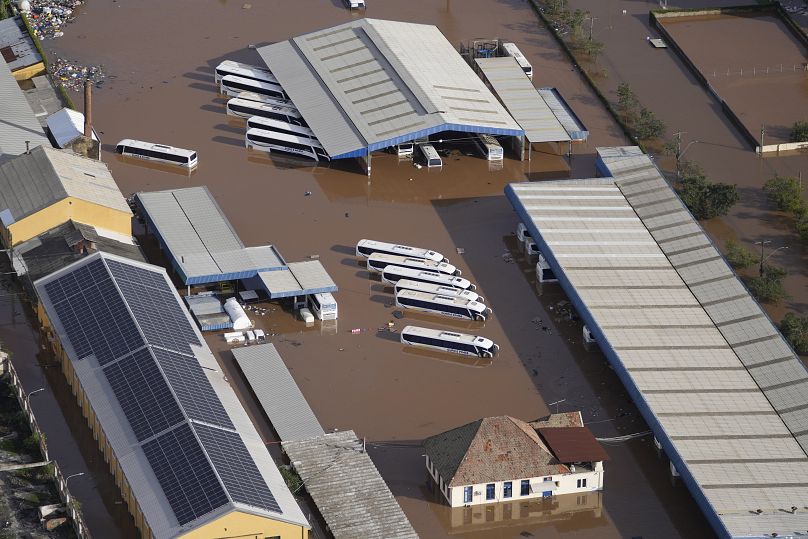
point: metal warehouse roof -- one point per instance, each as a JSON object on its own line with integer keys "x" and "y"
{"x": 369, "y": 84}
{"x": 17, "y": 121}
{"x": 297, "y": 279}
{"x": 285, "y": 406}
{"x": 347, "y": 488}
{"x": 522, "y": 100}
{"x": 16, "y": 45}
{"x": 712, "y": 376}
{"x": 564, "y": 114}
{"x": 198, "y": 238}
{"x": 31, "y": 182}
{"x": 187, "y": 448}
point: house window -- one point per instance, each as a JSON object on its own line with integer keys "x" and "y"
{"x": 468, "y": 492}
{"x": 582, "y": 483}
{"x": 524, "y": 488}
{"x": 489, "y": 491}
{"x": 507, "y": 489}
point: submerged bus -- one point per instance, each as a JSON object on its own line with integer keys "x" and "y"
{"x": 449, "y": 341}
{"x": 513, "y": 51}
{"x": 323, "y": 305}
{"x": 431, "y": 156}
{"x": 278, "y": 102}
{"x": 436, "y": 288}
{"x": 490, "y": 147}
{"x": 368, "y": 247}
{"x": 453, "y": 306}
{"x": 247, "y": 71}
{"x": 157, "y": 152}
{"x": 232, "y": 85}
{"x": 244, "y": 108}
{"x": 378, "y": 261}
{"x": 393, "y": 274}
{"x": 279, "y": 126}
{"x": 272, "y": 142}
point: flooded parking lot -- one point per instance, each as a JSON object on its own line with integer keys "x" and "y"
{"x": 754, "y": 63}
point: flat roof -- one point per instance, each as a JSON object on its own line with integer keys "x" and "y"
{"x": 16, "y": 45}
{"x": 369, "y": 84}
{"x": 17, "y": 121}
{"x": 277, "y": 392}
{"x": 710, "y": 373}
{"x": 347, "y": 488}
{"x": 66, "y": 125}
{"x": 522, "y": 100}
{"x": 199, "y": 240}
{"x": 297, "y": 279}
{"x": 187, "y": 447}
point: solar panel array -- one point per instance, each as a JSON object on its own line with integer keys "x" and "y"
{"x": 130, "y": 319}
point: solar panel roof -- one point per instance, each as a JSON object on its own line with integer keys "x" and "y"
{"x": 187, "y": 447}
{"x": 709, "y": 371}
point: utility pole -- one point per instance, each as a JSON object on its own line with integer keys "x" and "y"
{"x": 678, "y": 156}
{"x": 591, "y": 26}
{"x": 762, "y": 135}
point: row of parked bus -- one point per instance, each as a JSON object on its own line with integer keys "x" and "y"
{"x": 274, "y": 125}
{"x": 425, "y": 281}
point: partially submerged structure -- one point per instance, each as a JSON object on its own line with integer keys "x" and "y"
{"x": 723, "y": 393}
{"x": 503, "y": 458}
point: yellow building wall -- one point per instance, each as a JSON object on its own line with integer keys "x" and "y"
{"x": 245, "y": 526}
{"x": 27, "y": 72}
{"x": 65, "y": 210}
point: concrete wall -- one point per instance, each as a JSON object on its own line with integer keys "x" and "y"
{"x": 28, "y": 72}
{"x": 63, "y": 211}
{"x": 787, "y": 147}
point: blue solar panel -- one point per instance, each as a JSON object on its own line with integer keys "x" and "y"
{"x": 192, "y": 388}
{"x": 143, "y": 394}
{"x": 185, "y": 475}
{"x": 236, "y": 467}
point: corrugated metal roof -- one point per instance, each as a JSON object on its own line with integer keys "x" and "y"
{"x": 201, "y": 305}
{"x": 200, "y": 240}
{"x": 298, "y": 279}
{"x": 713, "y": 376}
{"x": 277, "y": 392}
{"x": 17, "y": 120}
{"x": 370, "y": 83}
{"x": 15, "y": 39}
{"x": 126, "y": 446}
{"x": 565, "y": 115}
{"x": 31, "y": 182}
{"x": 522, "y": 100}
{"x": 573, "y": 444}
{"x": 347, "y": 488}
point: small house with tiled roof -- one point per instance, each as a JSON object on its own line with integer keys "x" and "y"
{"x": 501, "y": 458}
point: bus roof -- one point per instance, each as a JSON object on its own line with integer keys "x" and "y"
{"x": 289, "y": 111}
{"x": 261, "y": 98}
{"x": 252, "y": 82}
{"x": 440, "y": 298}
{"x": 271, "y": 122}
{"x": 284, "y": 137}
{"x": 225, "y": 64}
{"x": 152, "y": 146}
{"x": 419, "y": 330}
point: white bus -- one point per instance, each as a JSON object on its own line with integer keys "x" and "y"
{"x": 490, "y": 147}
{"x": 378, "y": 261}
{"x": 513, "y": 51}
{"x": 247, "y": 71}
{"x": 453, "y": 306}
{"x": 435, "y": 288}
{"x": 271, "y": 141}
{"x": 449, "y": 341}
{"x": 393, "y": 274}
{"x": 278, "y": 102}
{"x": 157, "y": 152}
{"x": 405, "y": 149}
{"x": 431, "y": 156}
{"x": 355, "y": 4}
{"x": 522, "y": 233}
{"x": 233, "y": 85}
{"x": 243, "y": 108}
{"x": 271, "y": 124}
{"x": 368, "y": 247}
{"x": 324, "y": 306}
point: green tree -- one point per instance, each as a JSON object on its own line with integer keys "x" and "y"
{"x": 739, "y": 256}
{"x": 799, "y": 133}
{"x": 627, "y": 103}
{"x": 575, "y": 21}
{"x": 703, "y": 198}
{"x": 795, "y": 330}
{"x": 768, "y": 288}
{"x": 649, "y": 126}
{"x": 592, "y": 48}
{"x": 785, "y": 192}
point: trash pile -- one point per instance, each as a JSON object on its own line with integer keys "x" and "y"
{"x": 48, "y": 17}
{"x": 72, "y": 75}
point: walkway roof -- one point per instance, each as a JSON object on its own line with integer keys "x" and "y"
{"x": 522, "y": 100}
{"x": 297, "y": 279}
{"x": 17, "y": 120}
{"x": 369, "y": 84}
{"x": 712, "y": 376}
{"x": 347, "y": 488}
{"x": 277, "y": 392}
{"x": 564, "y": 114}
{"x": 199, "y": 240}
{"x": 187, "y": 447}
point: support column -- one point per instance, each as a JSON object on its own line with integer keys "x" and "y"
{"x": 368, "y": 162}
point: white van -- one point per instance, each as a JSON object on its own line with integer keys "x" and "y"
{"x": 323, "y": 306}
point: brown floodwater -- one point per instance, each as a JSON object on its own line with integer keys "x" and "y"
{"x": 160, "y": 57}
{"x": 755, "y": 64}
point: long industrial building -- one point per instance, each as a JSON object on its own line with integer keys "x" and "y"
{"x": 717, "y": 383}
{"x": 184, "y": 453}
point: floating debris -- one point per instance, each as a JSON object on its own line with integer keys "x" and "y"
{"x": 72, "y": 75}
{"x": 49, "y": 17}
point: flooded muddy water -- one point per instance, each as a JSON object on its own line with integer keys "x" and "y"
{"x": 754, "y": 63}
{"x": 160, "y": 58}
